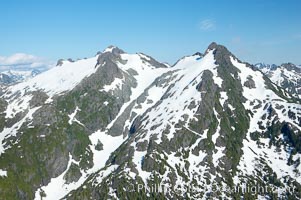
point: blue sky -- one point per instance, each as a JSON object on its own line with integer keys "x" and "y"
{"x": 258, "y": 31}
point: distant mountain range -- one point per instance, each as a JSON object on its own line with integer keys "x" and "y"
{"x": 287, "y": 75}
{"x": 125, "y": 126}
{"x": 11, "y": 77}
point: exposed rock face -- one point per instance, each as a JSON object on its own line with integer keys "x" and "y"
{"x": 287, "y": 76}
{"x": 250, "y": 83}
{"x": 5, "y": 79}
{"x": 210, "y": 121}
{"x": 60, "y": 125}
{"x": 291, "y": 67}
{"x": 99, "y": 146}
{"x": 73, "y": 174}
{"x": 209, "y": 149}
{"x": 60, "y": 62}
{"x": 152, "y": 61}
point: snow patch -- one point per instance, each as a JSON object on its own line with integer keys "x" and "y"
{"x": 12, "y": 131}
{"x": 57, "y": 188}
{"x": 116, "y": 84}
{"x": 3, "y": 173}
{"x": 72, "y": 117}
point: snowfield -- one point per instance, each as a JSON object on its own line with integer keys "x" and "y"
{"x": 167, "y": 100}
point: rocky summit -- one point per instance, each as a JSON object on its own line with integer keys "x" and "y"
{"x": 125, "y": 126}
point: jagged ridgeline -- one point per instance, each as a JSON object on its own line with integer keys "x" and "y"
{"x": 286, "y": 75}
{"x": 119, "y": 125}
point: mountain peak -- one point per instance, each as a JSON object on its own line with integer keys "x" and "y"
{"x": 113, "y": 49}
{"x": 221, "y": 53}
{"x": 218, "y": 47}
{"x": 213, "y": 45}
{"x": 129, "y": 120}
{"x": 290, "y": 66}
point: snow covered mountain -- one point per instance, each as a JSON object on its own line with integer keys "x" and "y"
{"x": 13, "y": 76}
{"x": 286, "y": 75}
{"x": 123, "y": 126}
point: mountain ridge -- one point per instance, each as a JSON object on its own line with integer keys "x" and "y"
{"x": 287, "y": 75}
{"x": 207, "y": 122}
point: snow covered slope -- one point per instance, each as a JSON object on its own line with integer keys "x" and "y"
{"x": 62, "y": 101}
{"x": 59, "y": 78}
{"x": 286, "y": 75}
{"x": 209, "y": 124}
{"x": 103, "y": 127}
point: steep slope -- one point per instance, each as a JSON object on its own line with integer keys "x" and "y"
{"x": 217, "y": 123}
{"x": 123, "y": 126}
{"x": 286, "y": 75}
{"x": 55, "y": 126}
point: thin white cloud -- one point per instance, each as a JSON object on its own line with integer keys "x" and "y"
{"x": 207, "y": 25}
{"x": 18, "y": 59}
{"x": 22, "y": 61}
